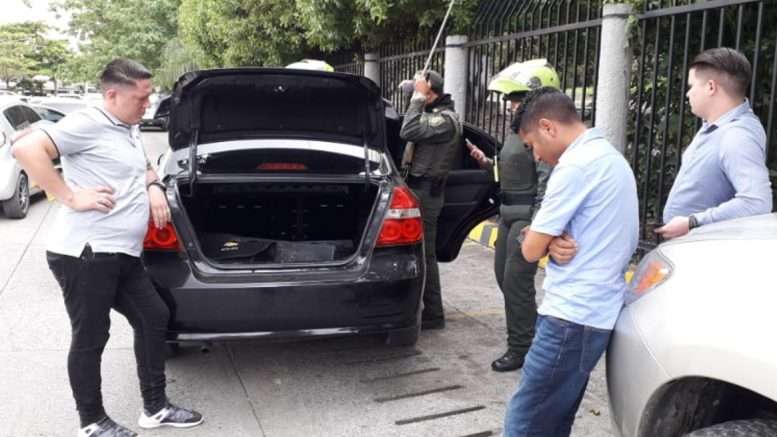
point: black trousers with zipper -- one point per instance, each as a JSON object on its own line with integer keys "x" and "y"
{"x": 92, "y": 285}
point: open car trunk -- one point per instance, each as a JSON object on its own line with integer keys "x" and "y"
{"x": 280, "y": 222}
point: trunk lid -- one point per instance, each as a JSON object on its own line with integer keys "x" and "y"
{"x": 241, "y": 103}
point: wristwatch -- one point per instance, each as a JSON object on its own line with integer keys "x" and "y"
{"x": 692, "y": 222}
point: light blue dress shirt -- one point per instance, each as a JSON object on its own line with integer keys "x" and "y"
{"x": 723, "y": 174}
{"x": 592, "y": 195}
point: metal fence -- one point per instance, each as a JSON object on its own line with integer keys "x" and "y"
{"x": 669, "y": 35}
{"x": 402, "y": 60}
{"x": 664, "y": 38}
{"x": 565, "y": 32}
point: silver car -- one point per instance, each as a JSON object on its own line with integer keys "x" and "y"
{"x": 693, "y": 352}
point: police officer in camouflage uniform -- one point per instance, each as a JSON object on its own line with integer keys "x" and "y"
{"x": 522, "y": 182}
{"x": 434, "y": 134}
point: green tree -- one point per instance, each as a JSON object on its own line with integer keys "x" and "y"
{"x": 26, "y": 50}
{"x": 136, "y": 29}
{"x": 275, "y": 32}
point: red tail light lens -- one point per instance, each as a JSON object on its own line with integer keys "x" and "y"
{"x": 160, "y": 239}
{"x": 403, "y": 224}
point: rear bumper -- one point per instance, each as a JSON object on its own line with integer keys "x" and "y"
{"x": 385, "y": 297}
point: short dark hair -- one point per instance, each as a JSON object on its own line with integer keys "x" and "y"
{"x": 123, "y": 71}
{"x": 729, "y": 63}
{"x": 545, "y": 102}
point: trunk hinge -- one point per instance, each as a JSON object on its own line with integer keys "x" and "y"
{"x": 193, "y": 161}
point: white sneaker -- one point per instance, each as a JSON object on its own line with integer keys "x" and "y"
{"x": 170, "y": 415}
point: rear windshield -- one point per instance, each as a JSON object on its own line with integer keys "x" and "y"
{"x": 288, "y": 161}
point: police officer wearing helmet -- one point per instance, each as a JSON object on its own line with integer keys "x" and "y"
{"x": 522, "y": 183}
{"x": 434, "y": 133}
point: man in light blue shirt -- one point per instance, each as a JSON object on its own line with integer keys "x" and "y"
{"x": 591, "y": 196}
{"x": 723, "y": 174}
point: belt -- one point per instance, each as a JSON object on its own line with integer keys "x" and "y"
{"x": 516, "y": 199}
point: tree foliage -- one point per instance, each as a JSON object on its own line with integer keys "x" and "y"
{"x": 106, "y": 29}
{"x": 275, "y": 32}
{"x": 25, "y": 50}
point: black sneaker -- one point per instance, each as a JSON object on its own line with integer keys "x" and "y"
{"x": 105, "y": 427}
{"x": 170, "y": 415}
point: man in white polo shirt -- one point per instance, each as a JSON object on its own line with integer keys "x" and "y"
{"x": 107, "y": 194}
{"x": 591, "y": 196}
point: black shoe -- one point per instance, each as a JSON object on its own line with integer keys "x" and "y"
{"x": 507, "y": 362}
{"x": 170, "y": 415}
{"x": 436, "y": 323}
{"x": 105, "y": 427}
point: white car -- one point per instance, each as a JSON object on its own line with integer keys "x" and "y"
{"x": 15, "y": 185}
{"x": 693, "y": 353}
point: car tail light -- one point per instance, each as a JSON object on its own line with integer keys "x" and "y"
{"x": 403, "y": 224}
{"x": 652, "y": 271}
{"x": 160, "y": 239}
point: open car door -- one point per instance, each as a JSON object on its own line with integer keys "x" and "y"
{"x": 470, "y": 193}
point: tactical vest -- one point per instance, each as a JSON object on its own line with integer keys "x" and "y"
{"x": 434, "y": 159}
{"x": 517, "y": 179}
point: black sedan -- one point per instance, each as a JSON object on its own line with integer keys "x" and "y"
{"x": 289, "y": 217}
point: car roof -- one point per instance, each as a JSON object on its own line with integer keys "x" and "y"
{"x": 6, "y": 101}
{"x": 759, "y": 227}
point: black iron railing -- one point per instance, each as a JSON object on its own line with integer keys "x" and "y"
{"x": 669, "y": 35}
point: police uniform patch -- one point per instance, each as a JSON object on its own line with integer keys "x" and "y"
{"x": 436, "y": 120}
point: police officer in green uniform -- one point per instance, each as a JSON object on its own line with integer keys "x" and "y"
{"x": 434, "y": 133}
{"x": 522, "y": 182}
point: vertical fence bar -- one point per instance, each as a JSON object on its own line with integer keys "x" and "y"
{"x": 684, "y": 75}
{"x": 651, "y": 129}
{"x": 739, "y": 27}
{"x": 756, "y": 51}
{"x": 667, "y": 109}
{"x": 770, "y": 121}
{"x": 722, "y": 26}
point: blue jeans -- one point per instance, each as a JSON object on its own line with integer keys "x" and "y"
{"x": 554, "y": 378}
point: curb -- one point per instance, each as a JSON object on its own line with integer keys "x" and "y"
{"x": 485, "y": 234}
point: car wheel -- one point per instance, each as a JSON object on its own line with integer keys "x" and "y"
{"x": 19, "y": 204}
{"x": 403, "y": 337}
{"x": 739, "y": 428}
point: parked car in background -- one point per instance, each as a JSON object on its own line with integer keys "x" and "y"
{"x": 693, "y": 352}
{"x": 15, "y": 186}
{"x": 157, "y": 114}
{"x": 48, "y": 113}
{"x": 289, "y": 217}
{"x": 61, "y": 104}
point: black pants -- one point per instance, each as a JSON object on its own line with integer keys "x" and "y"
{"x": 431, "y": 204}
{"x": 515, "y": 277}
{"x": 93, "y": 284}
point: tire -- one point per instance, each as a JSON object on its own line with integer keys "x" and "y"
{"x": 404, "y": 337}
{"x": 19, "y": 204}
{"x": 739, "y": 428}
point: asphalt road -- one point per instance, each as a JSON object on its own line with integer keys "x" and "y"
{"x": 353, "y": 386}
